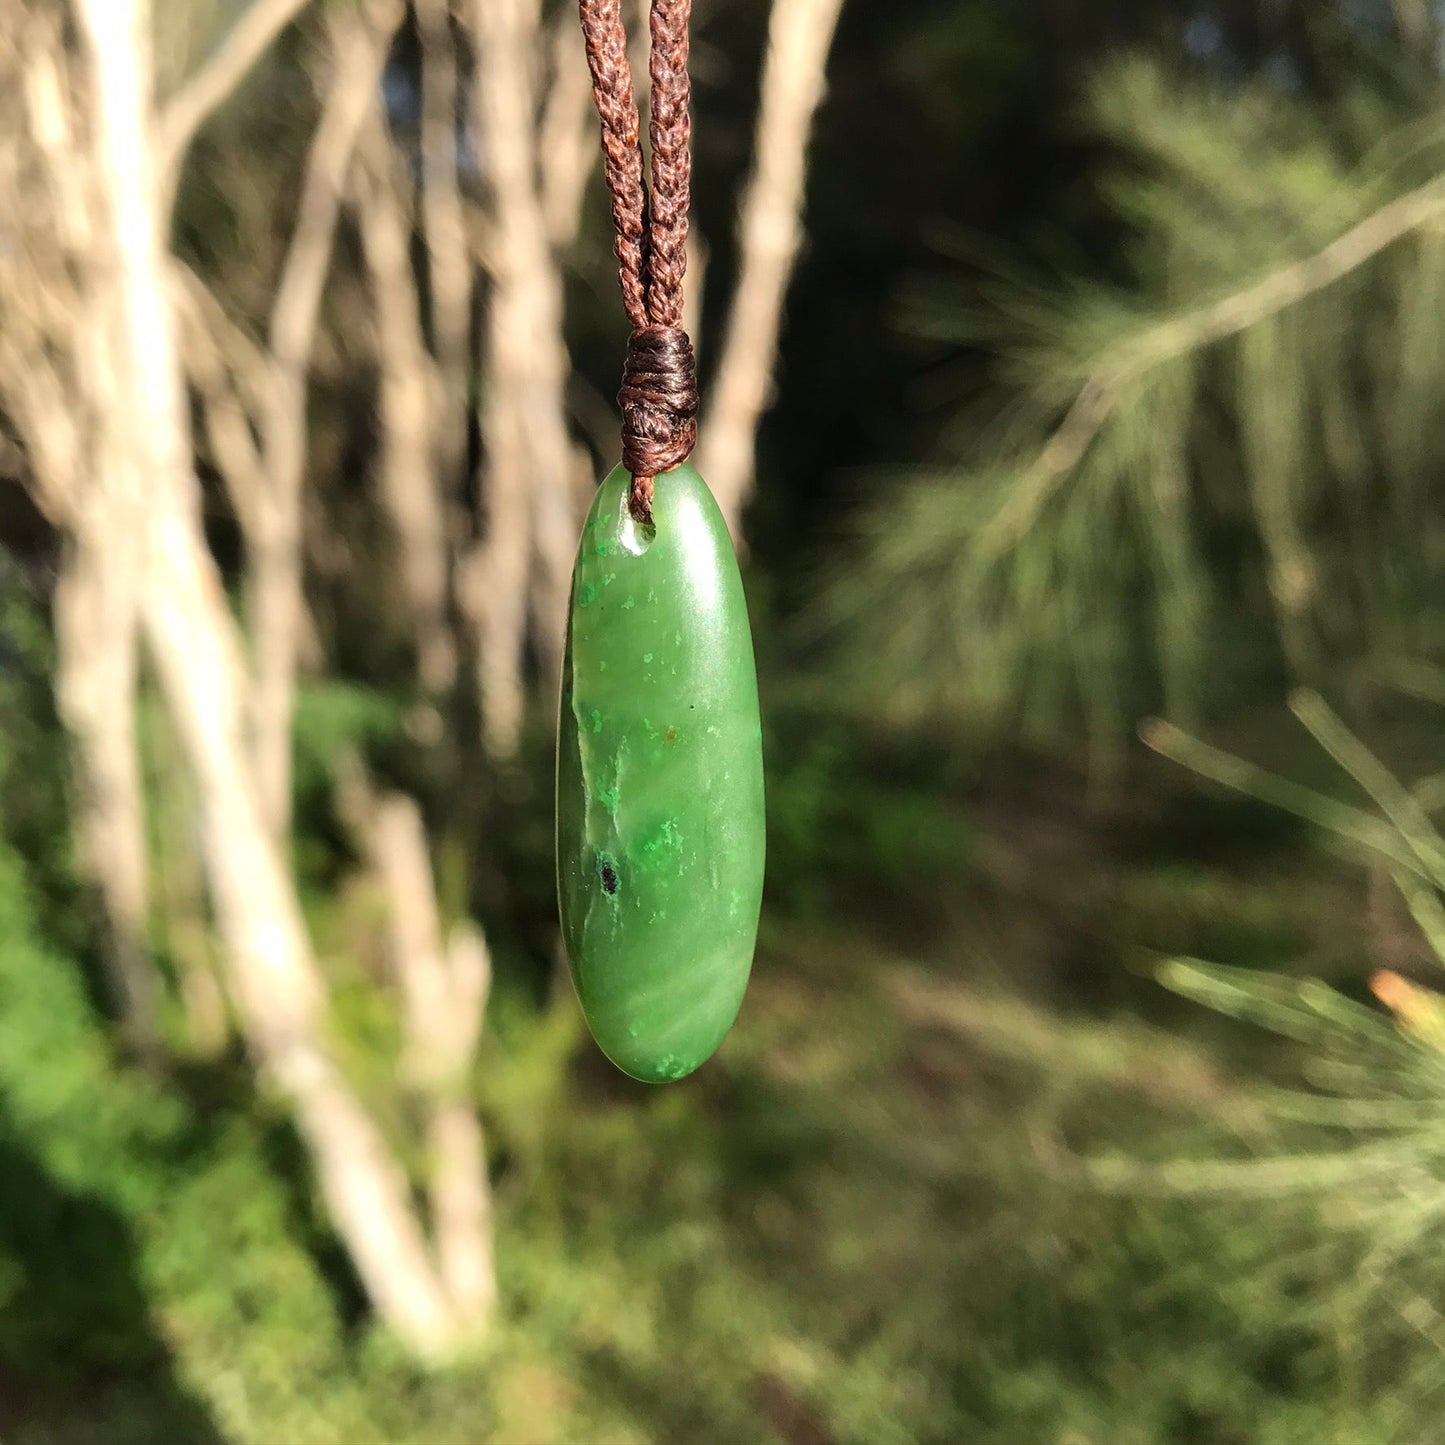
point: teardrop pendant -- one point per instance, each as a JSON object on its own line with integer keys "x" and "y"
{"x": 660, "y": 827}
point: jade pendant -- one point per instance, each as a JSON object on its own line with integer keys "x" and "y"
{"x": 659, "y": 779}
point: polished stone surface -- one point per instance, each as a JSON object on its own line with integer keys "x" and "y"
{"x": 659, "y": 780}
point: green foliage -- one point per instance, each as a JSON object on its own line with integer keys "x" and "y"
{"x": 1364, "y": 1142}
{"x": 853, "y": 819}
{"x": 330, "y": 717}
{"x": 868, "y": 1222}
{"x": 113, "y": 1196}
{"x": 863, "y": 1222}
{"x": 1221, "y": 472}
{"x": 34, "y": 754}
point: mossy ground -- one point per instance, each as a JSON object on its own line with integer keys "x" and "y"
{"x": 864, "y": 1222}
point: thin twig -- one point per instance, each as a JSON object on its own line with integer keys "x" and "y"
{"x": 800, "y": 34}
{"x": 360, "y": 43}
{"x": 409, "y": 405}
{"x": 227, "y": 422}
{"x": 525, "y": 499}
{"x": 444, "y": 229}
{"x": 245, "y": 358}
{"x": 226, "y": 67}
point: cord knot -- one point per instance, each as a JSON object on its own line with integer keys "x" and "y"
{"x": 659, "y": 408}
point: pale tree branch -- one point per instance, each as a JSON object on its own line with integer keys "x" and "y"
{"x": 208, "y": 89}
{"x": 369, "y": 1196}
{"x": 492, "y": 577}
{"x": 46, "y": 238}
{"x": 461, "y": 1195}
{"x": 182, "y": 907}
{"x": 244, "y": 358}
{"x": 227, "y": 421}
{"x": 444, "y": 988}
{"x": 95, "y": 615}
{"x": 409, "y": 402}
{"x": 529, "y": 515}
{"x": 483, "y": 242}
{"x": 358, "y": 55}
{"x": 359, "y": 48}
{"x": 800, "y": 34}
{"x": 567, "y": 148}
{"x": 51, "y": 111}
{"x": 97, "y": 621}
{"x": 43, "y": 411}
{"x": 1194, "y": 330}
{"x": 275, "y": 981}
{"x": 232, "y": 376}
{"x": 59, "y": 376}
{"x": 449, "y": 266}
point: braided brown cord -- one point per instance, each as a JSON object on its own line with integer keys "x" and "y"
{"x": 659, "y": 381}
{"x": 606, "y": 43}
{"x": 670, "y": 130}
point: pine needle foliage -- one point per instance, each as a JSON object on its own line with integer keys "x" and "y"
{"x": 1366, "y": 1126}
{"x": 1224, "y": 471}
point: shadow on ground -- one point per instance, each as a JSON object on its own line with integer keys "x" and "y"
{"x": 72, "y": 1306}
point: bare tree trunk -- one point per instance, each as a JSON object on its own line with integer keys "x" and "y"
{"x": 527, "y": 465}
{"x": 96, "y": 635}
{"x": 461, "y": 1193}
{"x": 274, "y": 977}
{"x": 277, "y": 600}
{"x": 188, "y": 110}
{"x": 411, "y": 417}
{"x": 275, "y": 981}
{"x": 181, "y": 907}
{"x": 800, "y": 34}
{"x": 232, "y": 390}
{"x": 461, "y": 1205}
{"x": 449, "y": 267}
{"x": 58, "y": 372}
{"x": 495, "y": 574}
{"x": 444, "y": 990}
{"x": 232, "y": 376}
{"x": 567, "y": 156}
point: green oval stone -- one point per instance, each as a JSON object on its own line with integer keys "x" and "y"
{"x": 659, "y": 780}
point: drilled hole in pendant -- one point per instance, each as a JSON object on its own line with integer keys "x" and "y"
{"x": 634, "y": 536}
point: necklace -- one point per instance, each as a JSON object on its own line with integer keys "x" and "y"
{"x": 660, "y": 835}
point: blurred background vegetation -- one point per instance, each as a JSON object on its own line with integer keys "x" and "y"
{"x": 1089, "y": 1090}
